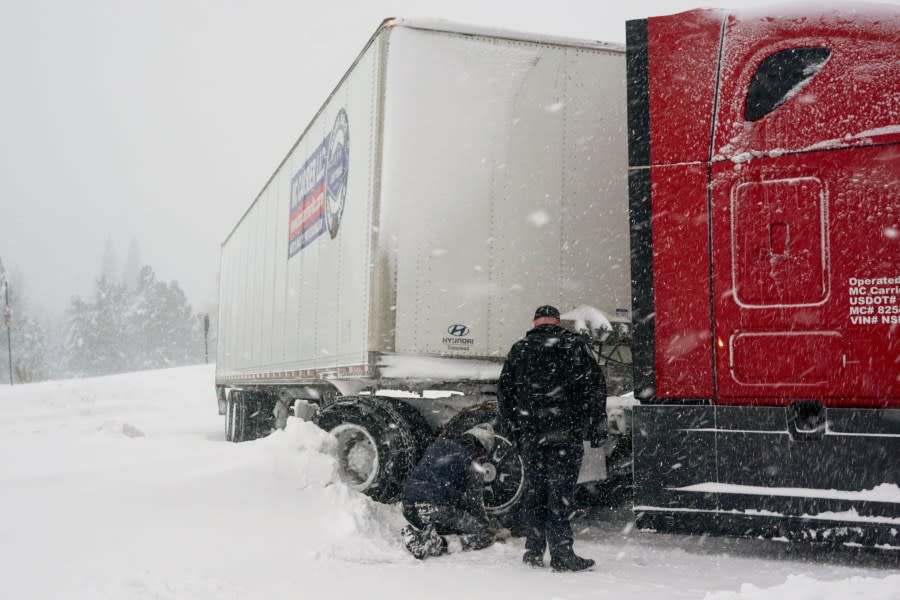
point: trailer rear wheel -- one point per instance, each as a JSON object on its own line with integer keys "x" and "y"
{"x": 232, "y": 415}
{"x": 248, "y": 416}
{"x": 422, "y": 432}
{"x": 376, "y": 447}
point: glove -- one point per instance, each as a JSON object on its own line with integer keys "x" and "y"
{"x": 501, "y": 535}
{"x": 493, "y": 524}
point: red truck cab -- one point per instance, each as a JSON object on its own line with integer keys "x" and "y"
{"x": 764, "y": 182}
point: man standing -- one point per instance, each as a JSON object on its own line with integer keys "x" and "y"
{"x": 443, "y": 497}
{"x": 550, "y": 389}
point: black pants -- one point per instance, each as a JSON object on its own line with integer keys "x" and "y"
{"x": 551, "y": 472}
{"x": 447, "y": 520}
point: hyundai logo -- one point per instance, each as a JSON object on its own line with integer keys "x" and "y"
{"x": 458, "y": 330}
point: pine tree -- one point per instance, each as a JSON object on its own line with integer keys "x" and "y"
{"x": 25, "y": 332}
{"x": 30, "y": 350}
{"x": 131, "y": 325}
{"x": 98, "y": 342}
{"x": 109, "y": 268}
{"x": 80, "y": 338}
{"x": 4, "y": 330}
{"x": 160, "y": 323}
{"x": 143, "y": 317}
{"x": 132, "y": 267}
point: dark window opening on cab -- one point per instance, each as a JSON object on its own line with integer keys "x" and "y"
{"x": 780, "y": 76}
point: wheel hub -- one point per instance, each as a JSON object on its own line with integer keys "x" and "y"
{"x": 357, "y": 455}
{"x": 490, "y": 472}
{"x": 503, "y": 477}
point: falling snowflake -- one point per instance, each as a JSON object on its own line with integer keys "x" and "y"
{"x": 555, "y": 107}
{"x": 539, "y": 218}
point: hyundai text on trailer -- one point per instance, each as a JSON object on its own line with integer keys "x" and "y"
{"x": 737, "y": 185}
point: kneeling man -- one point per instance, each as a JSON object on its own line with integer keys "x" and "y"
{"x": 443, "y": 497}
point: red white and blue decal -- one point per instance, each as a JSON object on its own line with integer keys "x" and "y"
{"x": 319, "y": 188}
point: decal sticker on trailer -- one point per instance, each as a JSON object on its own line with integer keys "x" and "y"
{"x": 319, "y": 188}
{"x": 458, "y": 338}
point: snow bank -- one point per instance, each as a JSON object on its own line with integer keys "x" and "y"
{"x": 298, "y": 463}
{"x": 125, "y": 487}
{"x": 802, "y": 587}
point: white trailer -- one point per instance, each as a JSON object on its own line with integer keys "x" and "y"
{"x": 454, "y": 180}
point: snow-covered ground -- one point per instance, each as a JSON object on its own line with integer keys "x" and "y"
{"x": 124, "y": 487}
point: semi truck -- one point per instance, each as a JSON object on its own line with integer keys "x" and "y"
{"x": 714, "y": 208}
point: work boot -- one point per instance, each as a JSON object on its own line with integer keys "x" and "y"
{"x": 412, "y": 540}
{"x": 434, "y": 543}
{"x": 533, "y": 560}
{"x": 423, "y": 543}
{"x": 570, "y": 562}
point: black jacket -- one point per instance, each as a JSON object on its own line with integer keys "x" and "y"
{"x": 447, "y": 475}
{"x": 551, "y": 388}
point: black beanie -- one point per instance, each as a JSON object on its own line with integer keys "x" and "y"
{"x": 546, "y": 311}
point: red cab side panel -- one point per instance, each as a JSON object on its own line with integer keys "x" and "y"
{"x": 806, "y": 211}
{"x": 782, "y": 240}
{"x": 683, "y": 57}
{"x": 806, "y": 254}
{"x": 681, "y": 280}
{"x": 850, "y": 97}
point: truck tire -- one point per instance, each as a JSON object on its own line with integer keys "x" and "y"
{"x": 248, "y": 416}
{"x": 232, "y": 414}
{"x": 376, "y": 446}
{"x": 422, "y": 432}
{"x": 505, "y": 477}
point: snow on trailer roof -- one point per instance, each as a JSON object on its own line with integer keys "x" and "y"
{"x": 807, "y": 10}
{"x": 438, "y": 25}
{"x": 442, "y": 25}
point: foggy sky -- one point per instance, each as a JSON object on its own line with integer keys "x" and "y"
{"x": 161, "y": 120}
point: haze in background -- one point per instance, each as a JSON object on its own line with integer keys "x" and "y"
{"x": 160, "y": 121}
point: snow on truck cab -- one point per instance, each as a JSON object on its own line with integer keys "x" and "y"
{"x": 734, "y": 179}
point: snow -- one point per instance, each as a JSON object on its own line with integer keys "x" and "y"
{"x": 810, "y": 71}
{"x": 587, "y": 318}
{"x": 800, "y": 587}
{"x": 886, "y": 492}
{"x": 879, "y": 131}
{"x": 494, "y": 32}
{"x": 401, "y": 366}
{"x": 740, "y": 141}
{"x": 123, "y": 487}
{"x": 539, "y": 218}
